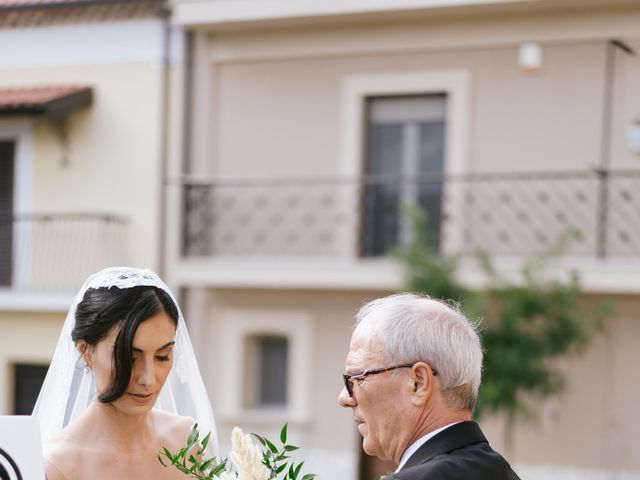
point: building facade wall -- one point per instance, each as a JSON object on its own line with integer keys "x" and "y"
{"x": 292, "y": 116}
{"x": 588, "y": 430}
{"x": 29, "y": 338}
{"x": 111, "y": 163}
{"x": 273, "y": 106}
{"x": 323, "y": 429}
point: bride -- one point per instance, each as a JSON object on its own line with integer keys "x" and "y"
{"x": 123, "y": 382}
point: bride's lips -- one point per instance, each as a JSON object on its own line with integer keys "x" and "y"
{"x": 142, "y": 398}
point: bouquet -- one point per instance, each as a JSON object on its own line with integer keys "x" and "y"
{"x": 247, "y": 460}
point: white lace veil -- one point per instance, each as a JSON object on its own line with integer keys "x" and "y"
{"x": 67, "y": 390}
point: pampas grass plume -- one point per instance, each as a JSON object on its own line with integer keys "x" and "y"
{"x": 247, "y": 457}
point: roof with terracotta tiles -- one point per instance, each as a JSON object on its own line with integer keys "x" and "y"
{"x": 26, "y": 13}
{"x": 50, "y": 100}
{"x": 42, "y": 3}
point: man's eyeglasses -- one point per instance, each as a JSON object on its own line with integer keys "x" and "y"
{"x": 349, "y": 378}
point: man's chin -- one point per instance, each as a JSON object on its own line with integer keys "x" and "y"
{"x": 369, "y": 449}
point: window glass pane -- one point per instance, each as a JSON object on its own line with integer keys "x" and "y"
{"x": 273, "y": 371}
{"x": 266, "y": 381}
{"x": 28, "y": 380}
{"x": 382, "y": 196}
{"x": 405, "y": 145}
{"x": 408, "y": 108}
{"x": 431, "y": 155}
{"x": 385, "y": 146}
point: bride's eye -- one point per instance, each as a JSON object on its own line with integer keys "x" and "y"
{"x": 163, "y": 358}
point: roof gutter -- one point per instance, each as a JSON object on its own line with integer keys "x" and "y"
{"x": 70, "y": 4}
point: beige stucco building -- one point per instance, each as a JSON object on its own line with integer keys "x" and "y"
{"x": 260, "y": 165}
{"x": 83, "y": 122}
{"x": 508, "y": 121}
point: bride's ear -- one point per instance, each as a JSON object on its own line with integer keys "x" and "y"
{"x": 84, "y": 349}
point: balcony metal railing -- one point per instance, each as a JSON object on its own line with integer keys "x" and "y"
{"x": 510, "y": 214}
{"x": 56, "y": 252}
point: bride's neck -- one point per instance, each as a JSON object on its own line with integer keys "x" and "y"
{"x": 126, "y": 432}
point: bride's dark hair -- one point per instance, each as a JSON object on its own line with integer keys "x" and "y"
{"x": 102, "y": 309}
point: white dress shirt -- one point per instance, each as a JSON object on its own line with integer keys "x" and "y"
{"x": 418, "y": 443}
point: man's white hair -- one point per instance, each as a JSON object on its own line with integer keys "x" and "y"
{"x": 416, "y": 328}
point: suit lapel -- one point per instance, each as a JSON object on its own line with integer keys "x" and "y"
{"x": 457, "y": 436}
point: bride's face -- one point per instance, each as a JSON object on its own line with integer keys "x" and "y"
{"x": 153, "y": 345}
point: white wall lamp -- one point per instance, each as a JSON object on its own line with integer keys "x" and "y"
{"x": 530, "y": 57}
{"x": 634, "y": 136}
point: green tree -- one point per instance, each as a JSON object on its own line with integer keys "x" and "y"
{"x": 527, "y": 322}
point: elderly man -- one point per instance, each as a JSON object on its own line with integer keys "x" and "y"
{"x": 412, "y": 379}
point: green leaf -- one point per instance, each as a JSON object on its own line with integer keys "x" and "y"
{"x": 260, "y": 439}
{"x": 220, "y": 468}
{"x": 205, "y": 441}
{"x": 193, "y": 436}
{"x": 271, "y": 446}
{"x": 276, "y": 461}
{"x": 204, "y": 465}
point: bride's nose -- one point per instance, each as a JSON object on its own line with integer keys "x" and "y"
{"x": 144, "y": 373}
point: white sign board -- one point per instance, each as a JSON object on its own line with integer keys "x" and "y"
{"x": 20, "y": 449}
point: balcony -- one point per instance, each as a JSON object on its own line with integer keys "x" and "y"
{"x": 356, "y": 221}
{"x": 54, "y": 253}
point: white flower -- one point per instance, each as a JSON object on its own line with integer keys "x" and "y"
{"x": 247, "y": 457}
{"x": 228, "y": 476}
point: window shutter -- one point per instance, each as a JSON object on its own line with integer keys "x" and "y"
{"x": 6, "y": 211}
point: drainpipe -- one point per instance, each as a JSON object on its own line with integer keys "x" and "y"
{"x": 165, "y": 77}
{"x": 603, "y": 171}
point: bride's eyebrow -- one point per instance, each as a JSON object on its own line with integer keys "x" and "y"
{"x": 166, "y": 345}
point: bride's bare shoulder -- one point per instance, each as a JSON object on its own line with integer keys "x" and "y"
{"x": 173, "y": 421}
{"x": 174, "y": 427}
{"x": 62, "y": 457}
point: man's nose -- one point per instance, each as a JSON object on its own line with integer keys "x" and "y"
{"x": 344, "y": 400}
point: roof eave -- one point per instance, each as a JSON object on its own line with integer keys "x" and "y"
{"x": 55, "y": 109}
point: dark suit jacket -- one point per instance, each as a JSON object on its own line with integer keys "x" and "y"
{"x": 460, "y": 452}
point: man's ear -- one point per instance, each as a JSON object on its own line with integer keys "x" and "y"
{"x": 423, "y": 383}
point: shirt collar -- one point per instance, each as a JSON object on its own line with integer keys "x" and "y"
{"x": 418, "y": 443}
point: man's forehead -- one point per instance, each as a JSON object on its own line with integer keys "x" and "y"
{"x": 365, "y": 349}
{"x": 370, "y": 326}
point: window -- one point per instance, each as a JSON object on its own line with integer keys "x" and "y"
{"x": 405, "y": 138}
{"x": 6, "y": 211}
{"x": 267, "y": 362}
{"x": 28, "y": 380}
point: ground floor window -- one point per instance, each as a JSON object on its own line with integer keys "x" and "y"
{"x": 28, "y": 379}
{"x": 267, "y": 376}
